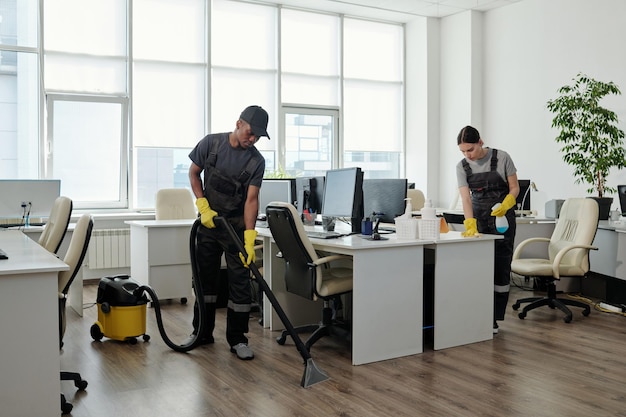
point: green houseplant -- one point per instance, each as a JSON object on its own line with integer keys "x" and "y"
{"x": 592, "y": 142}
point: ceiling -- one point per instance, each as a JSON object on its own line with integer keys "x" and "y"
{"x": 395, "y": 10}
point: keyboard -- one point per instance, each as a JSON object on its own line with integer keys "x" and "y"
{"x": 3, "y": 255}
{"x": 324, "y": 235}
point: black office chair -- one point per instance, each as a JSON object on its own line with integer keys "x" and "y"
{"x": 308, "y": 275}
{"x": 568, "y": 255}
{"x": 74, "y": 258}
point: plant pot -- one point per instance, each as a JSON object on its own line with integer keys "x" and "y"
{"x": 604, "y": 205}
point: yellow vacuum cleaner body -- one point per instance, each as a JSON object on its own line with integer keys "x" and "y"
{"x": 121, "y": 314}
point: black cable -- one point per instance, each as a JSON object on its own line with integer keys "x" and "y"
{"x": 195, "y": 341}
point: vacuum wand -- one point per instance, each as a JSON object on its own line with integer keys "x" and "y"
{"x": 312, "y": 374}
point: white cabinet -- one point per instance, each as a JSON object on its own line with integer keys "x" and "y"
{"x": 160, "y": 256}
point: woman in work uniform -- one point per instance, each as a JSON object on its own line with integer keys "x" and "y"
{"x": 486, "y": 177}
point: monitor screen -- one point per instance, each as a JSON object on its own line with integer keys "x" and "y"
{"x": 343, "y": 194}
{"x": 524, "y": 190}
{"x": 37, "y": 195}
{"x": 621, "y": 190}
{"x": 283, "y": 189}
{"x": 384, "y": 196}
{"x": 310, "y": 194}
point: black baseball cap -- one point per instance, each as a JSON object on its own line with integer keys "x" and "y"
{"x": 257, "y": 118}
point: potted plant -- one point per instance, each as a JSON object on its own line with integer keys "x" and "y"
{"x": 592, "y": 142}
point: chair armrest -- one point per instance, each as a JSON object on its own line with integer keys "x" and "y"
{"x": 330, "y": 258}
{"x": 561, "y": 254}
{"x": 523, "y": 243}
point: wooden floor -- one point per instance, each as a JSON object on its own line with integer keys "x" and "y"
{"x": 539, "y": 366}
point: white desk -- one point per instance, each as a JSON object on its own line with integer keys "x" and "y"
{"x": 29, "y": 352}
{"x": 160, "y": 256}
{"x": 610, "y": 258}
{"x": 387, "y": 299}
{"x": 463, "y": 298}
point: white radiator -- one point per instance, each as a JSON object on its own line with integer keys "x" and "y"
{"x": 109, "y": 248}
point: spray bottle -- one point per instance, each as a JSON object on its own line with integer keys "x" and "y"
{"x": 408, "y": 210}
{"x": 502, "y": 224}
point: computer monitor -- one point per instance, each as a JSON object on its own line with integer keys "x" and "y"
{"x": 283, "y": 189}
{"x": 37, "y": 195}
{"x": 310, "y": 194}
{"x": 621, "y": 191}
{"x": 384, "y": 197}
{"x": 524, "y": 191}
{"x": 343, "y": 195}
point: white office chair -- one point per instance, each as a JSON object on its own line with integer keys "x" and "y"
{"x": 417, "y": 198}
{"x": 568, "y": 251}
{"x": 56, "y": 226}
{"x": 74, "y": 259}
{"x": 175, "y": 203}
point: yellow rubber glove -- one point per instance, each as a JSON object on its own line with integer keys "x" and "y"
{"x": 249, "y": 237}
{"x": 507, "y": 203}
{"x": 470, "y": 227}
{"x": 206, "y": 214}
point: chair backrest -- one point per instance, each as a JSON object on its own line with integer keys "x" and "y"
{"x": 175, "y": 203}
{"x": 417, "y": 198}
{"x": 295, "y": 247}
{"x": 577, "y": 224}
{"x": 76, "y": 251}
{"x": 56, "y": 226}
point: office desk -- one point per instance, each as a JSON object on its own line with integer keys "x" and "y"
{"x": 160, "y": 256}
{"x": 387, "y": 298}
{"x": 610, "y": 258}
{"x": 29, "y": 350}
{"x": 463, "y": 289}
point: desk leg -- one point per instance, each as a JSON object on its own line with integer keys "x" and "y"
{"x": 463, "y": 301}
{"x": 387, "y": 303}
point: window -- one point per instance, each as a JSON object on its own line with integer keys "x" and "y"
{"x": 311, "y": 144}
{"x": 138, "y": 83}
{"x": 19, "y": 88}
{"x": 373, "y": 103}
{"x": 88, "y": 149}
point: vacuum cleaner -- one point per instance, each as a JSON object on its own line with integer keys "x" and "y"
{"x": 121, "y": 313}
{"x": 125, "y": 300}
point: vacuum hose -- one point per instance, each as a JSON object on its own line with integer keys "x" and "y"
{"x": 197, "y": 286}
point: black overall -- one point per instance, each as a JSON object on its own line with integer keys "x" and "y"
{"x": 487, "y": 189}
{"x": 226, "y": 196}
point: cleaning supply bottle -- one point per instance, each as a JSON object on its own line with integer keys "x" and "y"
{"x": 502, "y": 224}
{"x": 428, "y": 211}
{"x": 408, "y": 210}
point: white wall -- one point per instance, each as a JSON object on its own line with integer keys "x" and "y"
{"x": 498, "y": 70}
{"x": 422, "y": 104}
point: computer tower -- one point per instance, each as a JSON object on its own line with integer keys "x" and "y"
{"x": 553, "y": 208}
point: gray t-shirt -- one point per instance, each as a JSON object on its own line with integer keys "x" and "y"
{"x": 505, "y": 167}
{"x": 230, "y": 161}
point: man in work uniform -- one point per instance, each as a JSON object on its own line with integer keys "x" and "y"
{"x": 233, "y": 171}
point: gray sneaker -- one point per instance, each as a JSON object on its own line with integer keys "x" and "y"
{"x": 243, "y": 351}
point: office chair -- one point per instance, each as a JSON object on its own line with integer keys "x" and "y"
{"x": 56, "y": 226}
{"x": 306, "y": 274}
{"x": 174, "y": 203}
{"x": 417, "y": 198}
{"x": 74, "y": 259}
{"x": 568, "y": 251}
